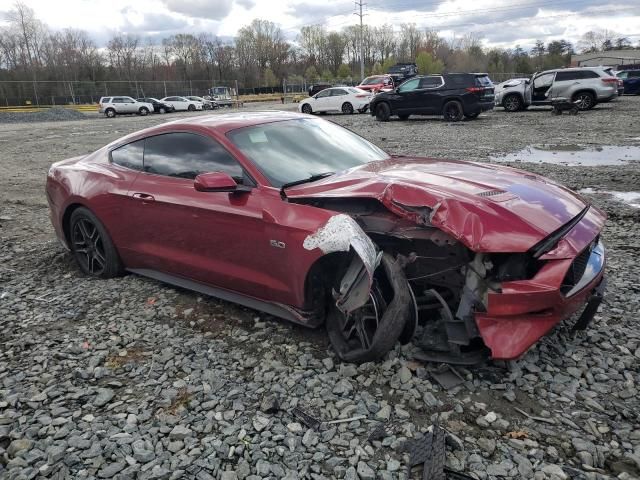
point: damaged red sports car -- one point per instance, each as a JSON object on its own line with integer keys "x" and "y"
{"x": 305, "y": 220}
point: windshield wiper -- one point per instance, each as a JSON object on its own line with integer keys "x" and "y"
{"x": 312, "y": 178}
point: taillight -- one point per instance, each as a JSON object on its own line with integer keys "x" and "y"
{"x": 609, "y": 80}
{"x": 362, "y": 96}
{"x": 474, "y": 89}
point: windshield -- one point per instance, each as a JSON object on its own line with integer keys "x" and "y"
{"x": 293, "y": 150}
{"x": 372, "y": 80}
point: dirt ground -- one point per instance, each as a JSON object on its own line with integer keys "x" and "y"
{"x": 34, "y": 269}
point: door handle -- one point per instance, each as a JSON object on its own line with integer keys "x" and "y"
{"x": 144, "y": 197}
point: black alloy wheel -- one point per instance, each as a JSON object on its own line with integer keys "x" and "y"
{"x": 306, "y": 108}
{"x": 347, "y": 108}
{"x": 452, "y": 111}
{"x": 91, "y": 246}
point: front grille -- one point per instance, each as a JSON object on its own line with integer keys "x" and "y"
{"x": 577, "y": 268}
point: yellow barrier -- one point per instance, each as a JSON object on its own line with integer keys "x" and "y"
{"x": 41, "y": 108}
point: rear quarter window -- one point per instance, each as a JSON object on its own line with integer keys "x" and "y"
{"x": 589, "y": 74}
{"x": 484, "y": 81}
{"x": 129, "y": 155}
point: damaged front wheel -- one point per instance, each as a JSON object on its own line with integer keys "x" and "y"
{"x": 370, "y": 331}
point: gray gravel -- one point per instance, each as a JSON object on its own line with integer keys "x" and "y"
{"x": 129, "y": 378}
{"x": 55, "y": 114}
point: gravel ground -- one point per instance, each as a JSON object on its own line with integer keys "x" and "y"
{"x": 55, "y": 114}
{"x": 129, "y": 378}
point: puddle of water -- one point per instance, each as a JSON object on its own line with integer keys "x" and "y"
{"x": 572, "y": 155}
{"x": 630, "y": 198}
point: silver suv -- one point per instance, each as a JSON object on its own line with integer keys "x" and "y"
{"x": 112, "y": 106}
{"x": 584, "y": 86}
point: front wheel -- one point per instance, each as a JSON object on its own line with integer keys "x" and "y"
{"x": 512, "y": 103}
{"x": 91, "y": 245}
{"x": 191, "y": 108}
{"x": 452, "y": 111}
{"x": 143, "y": 111}
{"x": 306, "y": 108}
{"x": 584, "y": 100}
{"x": 383, "y": 112}
{"x": 369, "y": 332}
{"x": 162, "y": 110}
{"x": 347, "y": 108}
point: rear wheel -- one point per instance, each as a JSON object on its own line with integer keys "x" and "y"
{"x": 191, "y": 107}
{"x": 584, "y": 100}
{"x": 110, "y": 112}
{"x": 383, "y": 112}
{"x": 91, "y": 245}
{"x": 512, "y": 103}
{"x": 306, "y": 108}
{"x": 144, "y": 111}
{"x": 452, "y": 111}
{"x": 347, "y": 108}
{"x": 369, "y": 332}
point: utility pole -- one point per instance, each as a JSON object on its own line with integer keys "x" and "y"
{"x": 360, "y": 4}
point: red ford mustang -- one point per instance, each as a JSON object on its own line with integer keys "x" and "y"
{"x": 307, "y": 221}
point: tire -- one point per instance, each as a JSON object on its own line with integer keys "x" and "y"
{"x": 383, "y": 112}
{"x": 162, "y": 110}
{"x": 110, "y": 113}
{"x": 347, "y": 108}
{"x": 306, "y": 108}
{"x": 584, "y": 100}
{"x": 472, "y": 116}
{"x": 191, "y": 108}
{"x": 512, "y": 103}
{"x": 403, "y": 117}
{"x": 453, "y": 111}
{"x": 91, "y": 246}
{"x": 144, "y": 111}
{"x": 390, "y": 303}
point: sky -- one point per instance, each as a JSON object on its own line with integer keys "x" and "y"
{"x": 500, "y": 23}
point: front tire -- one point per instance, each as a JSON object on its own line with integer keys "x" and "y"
{"x": 383, "y": 112}
{"x": 369, "y": 332}
{"x": 306, "y": 108}
{"x": 91, "y": 246}
{"x": 347, "y": 108}
{"x": 512, "y": 103}
{"x": 584, "y": 100}
{"x": 162, "y": 110}
{"x": 452, "y": 111}
{"x": 143, "y": 111}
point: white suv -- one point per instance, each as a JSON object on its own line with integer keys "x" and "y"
{"x": 112, "y": 106}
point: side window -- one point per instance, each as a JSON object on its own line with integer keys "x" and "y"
{"x": 129, "y": 155}
{"x": 624, "y": 75}
{"x": 635, "y": 74}
{"x": 186, "y": 155}
{"x": 544, "y": 80}
{"x": 337, "y": 92}
{"x": 431, "y": 82}
{"x": 564, "y": 76}
{"x": 409, "y": 85}
{"x": 116, "y": 100}
{"x": 128, "y": 99}
{"x": 324, "y": 93}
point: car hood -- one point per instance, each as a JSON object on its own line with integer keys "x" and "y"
{"x": 487, "y": 207}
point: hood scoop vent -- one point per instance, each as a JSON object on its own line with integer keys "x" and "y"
{"x": 491, "y": 193}
{"x": 497, "y": 195}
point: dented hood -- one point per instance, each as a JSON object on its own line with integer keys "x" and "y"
{"x": 488, "y": 207}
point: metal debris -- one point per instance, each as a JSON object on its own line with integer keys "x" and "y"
{"x": 448, "y": 377}
{"x": 383, "y": 430}
{"x": 305, "y": 418}
{"x": 538, "y": 419}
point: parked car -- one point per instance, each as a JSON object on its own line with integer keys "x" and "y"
{"x": 452, "y": 95}
{"x": 337, "y": 99}
{"x": 223, "y": 96}
{"x": 182, "y": 104}
{"x": 631, "y": 81}
{"x": 585, "y": 86}
{"x": 206, "y": 104}
{"x": 486, "y": 258}
{"x": 377, "y": 83}
{"x": 403, "y": 71}
{"x": 158, "y": 106}
{"x": 112, "y": 106}
{"x": 318, "y": 87}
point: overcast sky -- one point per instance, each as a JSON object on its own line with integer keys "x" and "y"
{"x": 502, "y": 23}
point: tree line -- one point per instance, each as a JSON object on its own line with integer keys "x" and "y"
{"x": 259, "y": 55}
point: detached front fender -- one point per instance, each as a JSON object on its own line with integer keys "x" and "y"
{"x": 341, "y": 233}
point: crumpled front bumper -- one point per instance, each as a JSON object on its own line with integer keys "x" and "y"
{"x": 524, "y": 311}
